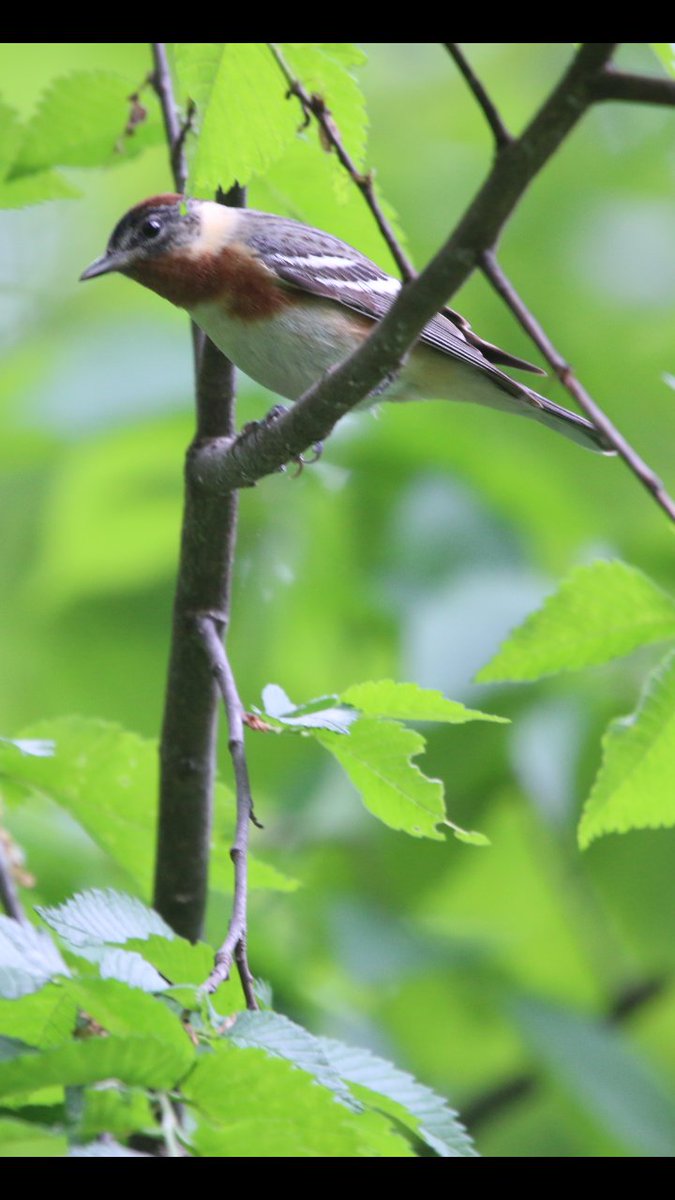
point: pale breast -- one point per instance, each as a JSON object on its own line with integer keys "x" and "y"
{"x": 291, "y": 350}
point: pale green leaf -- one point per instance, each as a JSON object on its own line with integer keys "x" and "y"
{"x": 424, "y": 1112}
{"x": 277, "y": 1035}
{"x": 250, "y": 1105}
{"x": 139, "y": 1061}
{"x": 634, "y": 786}
{"x": 38, "y": 747}
{"x": 323, "y": 70}
{"x": 245, "y": 119}
{"x": 101, "y": 916}
{"x": 117, "y": 1111}
{"x": 10, "y": 137}
{"x": 46, "y": 1018}
{"x": 107, "y": 778}
{"x": 130, "y": 968}
{"x": 36, "y": 189}
{"x": 322, "y": 713}
{"x": 123, "y": 1009}
{"x": 28, "y": 959}
{"x": 23, "y": 1139}
{"x": 80, "y": 122}
{"x": 604, "y": 1073}
{"x": 665, "y": 52}
{"x": 376, "y": 756}
{"x": 600, "y": 612}
{"x": 409, "y": 702}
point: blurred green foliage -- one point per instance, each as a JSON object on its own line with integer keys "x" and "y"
{"x": 421, "y": 538}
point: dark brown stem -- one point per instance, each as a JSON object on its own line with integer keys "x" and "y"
{"x": 188, "y": 741}
{"x": 315, "y": 106}
{"x": 612, "y": 84}
{"x": 499, "y": 131}
{"x": 9, "y": 895}
{"x": 611, "y": 435}
{"x": 234, "y": 946}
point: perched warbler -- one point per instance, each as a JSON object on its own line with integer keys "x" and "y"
{"x": 286, "y": 302}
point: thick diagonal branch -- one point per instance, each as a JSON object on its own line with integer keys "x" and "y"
{"x": 265, "y": 448}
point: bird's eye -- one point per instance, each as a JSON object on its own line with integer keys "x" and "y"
{"x": 151, "y": 227}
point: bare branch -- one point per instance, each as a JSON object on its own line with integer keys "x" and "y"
{"x": 562, "y": 369}
{"x": 175, "y": 136}
{"x": 499, "y": 131}
{"x": 613, "y": 84}
{"x": 234, "y": 945}
{"x": 315, "y": 106}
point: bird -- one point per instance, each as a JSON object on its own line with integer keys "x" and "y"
{"x": 286, "y": 302}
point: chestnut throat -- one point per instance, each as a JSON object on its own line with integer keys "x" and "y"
{"x": 233, "y": 278}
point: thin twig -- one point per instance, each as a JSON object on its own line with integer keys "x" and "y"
{"x": 613, "y": 84}
{"x": 234, "y": 945}
{"x": 499, "y": 131}
{"x": 562, "y": 369}
{"x": 9, "y": 896}
{"x": 161, "y": 82}
{"x": 315, "y": 106}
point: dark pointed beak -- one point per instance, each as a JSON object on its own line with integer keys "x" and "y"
{"x": 104, "y": 265}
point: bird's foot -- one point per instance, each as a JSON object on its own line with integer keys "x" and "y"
{"x": 302, "y": 461}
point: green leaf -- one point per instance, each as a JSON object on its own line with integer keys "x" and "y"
{"x": 377, "y": 758}
{"x": 117, "y": 1111}
{"x": 46, "y": 1018}
{"x": 100, "y": 916}
{"x": 599, "y": 1067}
{"x": 321, "y": 713}
{"x": 107, "y": 778}
{"x": 634, "y": 786}
{"x": 122, "y": 1009}
{"x": 245, "y": 119}
{"x": 80, "y": 122}
{"x": 322, "y": 68}
{"x": 139, "y": 1061}
{"x": 10, "y": 136}
{"x": 600, "y": 612}
{"x": 281, "y": 1037}
{"x": 129, "y": 968}
{"x": 23, "y": 1139}
{"x": 423, "y": 1111}
{"x": 36, "y": 189}
{"x": 177, "y": 960}
{"x": 28, "y": 959}
{"x": 665, "y": 52}
{"x": 409, "y": 702}
{"x": 252, "y": 1106}
{"x": 38, "y": 747}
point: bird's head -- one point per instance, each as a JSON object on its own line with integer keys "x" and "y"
{"x": 171, "y": 245}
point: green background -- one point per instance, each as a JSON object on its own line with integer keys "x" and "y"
{"x": 422, "y": 536}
